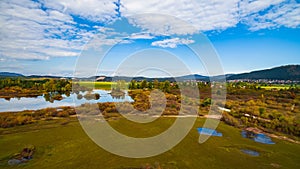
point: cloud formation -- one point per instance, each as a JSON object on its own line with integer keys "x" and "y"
{"x": 95, "y": 10}
{"x": 270, "y": 14}
{"x": 28, "y": 32}
{"x": 140, "y": 36}
{"x": 172, "y": 43}
{"x": 42, "y": 29}
{"x": 210, "y": 15}
{"x": 201, "y": 14}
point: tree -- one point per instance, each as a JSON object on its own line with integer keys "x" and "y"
{"x": 156, "y": 84}
{"x": 144, "y": 84}
{"x": 150, "y": 85}
{"x": 166, "y": 86}
{"x": 206, "y": 102}
{"x": 261, "y": 111}
{"x": 132, "y": 84}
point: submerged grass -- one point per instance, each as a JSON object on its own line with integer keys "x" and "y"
{"x": 65, "y": 145}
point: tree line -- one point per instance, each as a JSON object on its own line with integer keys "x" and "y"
{"x": 48, "y": 85}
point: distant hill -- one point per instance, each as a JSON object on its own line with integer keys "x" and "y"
{"x": 9, "y": 74}
{"x": 127, "y": 78}
{"x": 171, "y": 79}
{"x": 289, "y": 72}
{"x": 194, "y": 76}
{"x": 43, "y": 76}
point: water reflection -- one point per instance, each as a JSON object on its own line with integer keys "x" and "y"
{"x": 117, "y": 93}
{"x": 51, "y": 96}
{"x": 118, "y": 97}
{"x": 57, "y": 100}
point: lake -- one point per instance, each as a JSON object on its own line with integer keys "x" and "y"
{"x": 35, "y": 103}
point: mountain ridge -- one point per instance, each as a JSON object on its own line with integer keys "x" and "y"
{"x": 286, "y": 72}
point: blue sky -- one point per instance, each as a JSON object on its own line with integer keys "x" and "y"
{"x": 63, "y": 37}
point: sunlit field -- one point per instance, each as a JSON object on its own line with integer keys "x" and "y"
{"x": 63, "y": 144}
{"x": 278, "y": 87}
{"x": 98, "y": 85}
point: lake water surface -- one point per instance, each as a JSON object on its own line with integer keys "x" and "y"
{"x": 210, "y": 132}
{"x": 250, "y": 152}
{"x": 35, "y": 103}
{"x": 260, "y": 137}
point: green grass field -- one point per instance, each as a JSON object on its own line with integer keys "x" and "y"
{"x": 60, "y": 145}
{"x": 97, "y": 85}
{"x": 108, "y": 85}
{"x": 277, "y": 87}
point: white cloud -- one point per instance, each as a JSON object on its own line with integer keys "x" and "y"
{"x": 291, "y": 17}
{"x": 158, "y": 24}
{"x": 277, "y": 15}
{"x": 29, "y": 32}
{"x": 141, "y": 36}
{"x": 192, "y": 15}
{"x": 253, "y": 6}
{"x": 26, "y": 31}
{"x": 210, "y": 15}
{"x": 95, "y": 10}
{"x": 172, "y": 43}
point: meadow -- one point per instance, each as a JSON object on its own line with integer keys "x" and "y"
{"x": 62, "y": 143}
{"x": 276, "y": 87}
{"x": 97, "y": 85}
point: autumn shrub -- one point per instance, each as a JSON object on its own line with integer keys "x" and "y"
{"x": 62, "y": 114}
{"x": 228, "y": 119}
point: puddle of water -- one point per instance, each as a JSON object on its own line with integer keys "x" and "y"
{"x": 260, "y": 138}
{"x": 250, "y": 152}
{"x": 210, "y": 132}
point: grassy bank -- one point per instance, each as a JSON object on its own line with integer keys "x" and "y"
{"x": 63, "y": 144}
